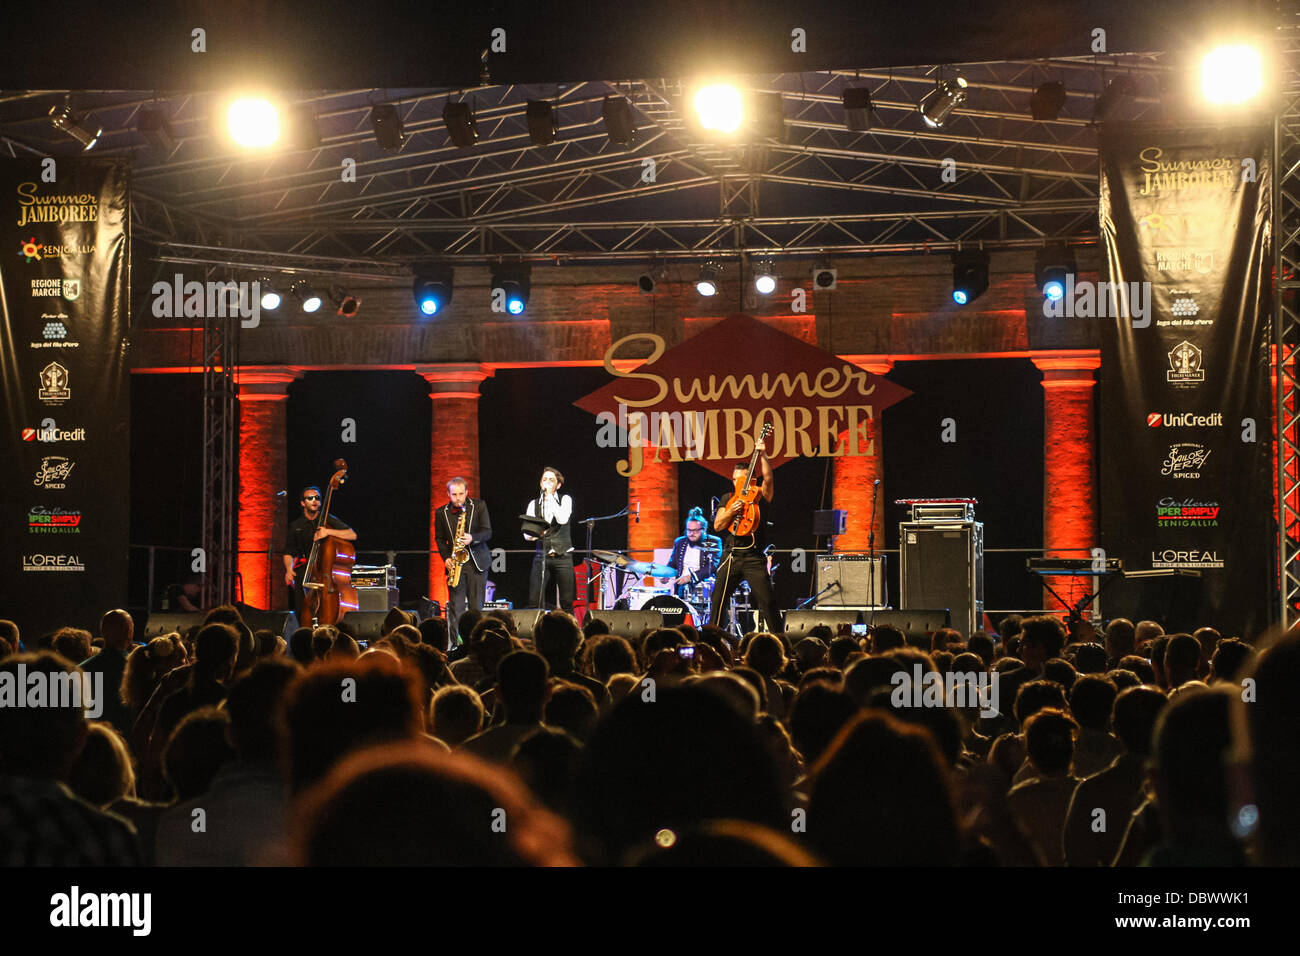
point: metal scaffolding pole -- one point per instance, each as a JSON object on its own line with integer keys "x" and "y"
{"x": 220, "y": 423}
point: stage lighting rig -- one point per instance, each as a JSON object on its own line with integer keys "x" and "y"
{"x": 459, "y": 121}
{"x": 271, "y": 296}
{"x": 859, "y": 113}
{"x": 512, "y": 282}
{"x": 253, "y": 122}
{"x": 707, "y": 284}
{"x": 970, "y": 276}
{"x": 63, "y": 119}
{"x": 1118, "y": 92}
{"x": 1232, "y": 74}
{"x": 432, "y": 288}
{"x": 1051, "y": 267}
{"x": 344, "y": 301}
{"x": 541, "y": 122}
{"x": 939, "y": 103}
{"x": 620, "y": 126}
{"x": 387, "y": 124}
{"x": 1046, "y": 103}
{"x": 307, "y": 297}
{"x": 764, "y": 276}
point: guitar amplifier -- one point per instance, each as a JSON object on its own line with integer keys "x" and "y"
{"x": 942, "y": 566}
{"x": 855, "y": 580}
{"x": 376, "y": 599}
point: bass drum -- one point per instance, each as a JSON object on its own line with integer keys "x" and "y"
{"x": 675, "y": 610}
{"x": 638, "y": 597}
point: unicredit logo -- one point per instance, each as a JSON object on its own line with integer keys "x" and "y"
{"x": 54, "y": 434}
{"x": 1185, "y": 420}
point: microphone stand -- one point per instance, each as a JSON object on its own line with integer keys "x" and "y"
{"x": 591, "y": 530}
{"x": 871, "y": 547}
{"x": 813, "y": 600}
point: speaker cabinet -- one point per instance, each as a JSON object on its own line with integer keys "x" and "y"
{"x": 799, "y": 623}
{"x": 283, "y": 623}
{"x": 916, "y": 623}
{"x": 526, "y": 619}
{"x": 855, "y": 580}
{"x": 364, "y": 625}
{"x": 628, "y": 624}
{"x": 376, "y": 599}
{"x": 942, "y": 566}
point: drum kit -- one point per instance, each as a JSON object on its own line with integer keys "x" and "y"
{"x": 623, "y": 588}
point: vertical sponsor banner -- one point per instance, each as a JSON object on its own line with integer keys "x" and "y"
{"x": 1184, "y": 405}
{"x": 64, "y": 315}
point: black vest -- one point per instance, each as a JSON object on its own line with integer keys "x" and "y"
{"x": 559, "y": 541}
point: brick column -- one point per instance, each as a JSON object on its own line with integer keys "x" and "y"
{"x": 855, "y": 471}
{"x": 1069, "y": 463}
{"x": 655, "y": 487}
{"x": 454, "y": 392}
{"x": 263, "y": 471}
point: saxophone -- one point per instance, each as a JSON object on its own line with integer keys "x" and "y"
{"x": 459, "y": 555}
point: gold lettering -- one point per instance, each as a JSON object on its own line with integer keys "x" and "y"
{"x": 829, "y": 433}
{"x": 798, "y": 441}
{"x": 658, "y": 349}
{"x": 737, "y": 431}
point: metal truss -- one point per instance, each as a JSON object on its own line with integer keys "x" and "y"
{"x": 1286, "y": 312}
{"x": 991, "y": 175}
{"x": 220, "y": 426}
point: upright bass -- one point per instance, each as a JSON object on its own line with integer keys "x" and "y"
{"x": 327, "y": 588}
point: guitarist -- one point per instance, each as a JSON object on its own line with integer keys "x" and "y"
{"x": 742, "y": 556}
{"x": 469, "y": 590}
{"x": 302, "y": 532}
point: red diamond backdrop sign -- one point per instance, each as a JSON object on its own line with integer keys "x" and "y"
{"x": 705, "y": 399}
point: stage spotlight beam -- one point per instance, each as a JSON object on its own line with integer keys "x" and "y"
{"x": 764, "y": 277}
{"x": 707, "y": 283}
{"x": 719, "y": 107}
{"x": 253, "y": 122}
{"x": 1232, "y": 74}
{"x": 511, "y": 286}
{"x": 271, "y": 297}
{"x": 307, "y": 297}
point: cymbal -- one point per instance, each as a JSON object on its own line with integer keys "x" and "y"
{"x": 654, "y": 570}
{"x": 611, "y": 557}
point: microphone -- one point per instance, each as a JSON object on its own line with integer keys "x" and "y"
{"x": 638, "y": 512}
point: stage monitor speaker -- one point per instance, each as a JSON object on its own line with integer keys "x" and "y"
{"x": 799, "y": 623}
{"x": 628, "y": 624}
{"x": 856, "y": 580}
{"x": 942, "y": 565}
{"x": 281, "y": 623}
{"x": 526, "y": 619}
{"x": 164, "y": 622}
{"x": 828, "y": 523}
{"x": 364, "y": 625}
{"x": 376, "y": 599}
{"x": 913, "y": 624}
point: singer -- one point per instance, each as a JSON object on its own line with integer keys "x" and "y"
{"x": 743, "y": 557}
{"x": 553, "y": 560}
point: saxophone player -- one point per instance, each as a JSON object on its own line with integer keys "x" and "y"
{"x": 462, "y": 529}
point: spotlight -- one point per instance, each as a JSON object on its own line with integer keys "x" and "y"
{"x": 707, "y": 283}
{"x": 157, "y": 131}
{"x": 512, "y": 283}
{"x": 718, "y": 107}
{"x": 1232, "y": 74}
{"x": 648, "y": 281}
{"x": 1051, "y": 267}
{"x": 387, "y": 124}
{"x": 824, "y": 279}
{"x": 432, "y": 288}
{"x": 764, "y": 277}
{"x": 271, "y": 297}
{"x": 62, "y": 118}
{"x": 253, "y": 122}
{"x": 1119, "y": 91}
{"x": 946, "y": 96}
{"x": 541, "y": 122}
{"x": 970, "y": 276}
{"x": 307, "y": 296}
{"x": 619, "y": 124}
{"x": 460, "y": 124}
{"x": 346, "y": 303}
{"x": 858, "y": 110}
{"x": 1047, "y": 101}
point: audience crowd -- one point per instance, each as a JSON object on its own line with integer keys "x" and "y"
{"x": 564, "y": 745}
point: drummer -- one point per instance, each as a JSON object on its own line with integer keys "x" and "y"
{"x": 695, "y": 554}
